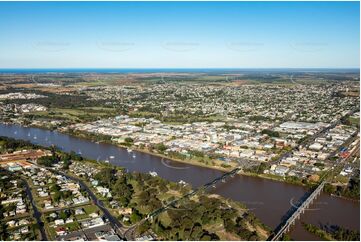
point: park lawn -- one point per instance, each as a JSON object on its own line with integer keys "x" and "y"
{"x": 138, "y": 190}
{"x": 90, "y": 209}
{"x": 82, "y": 111}
{"x": 143, "y": 114}
{"x": 99, "y": 109}
{"x": 81, "y": 216}
{"x": 171, "y": 193}
{"x": 144, "y": 209}
{"x": 217, "y": 227}
{"x": 56, "y": 115}
{"x": 341, "y": 179}
{"x": 354, "y": 120}
{"x": 164, "y": 196}
{"x": 75, "y": 114}
{"x": 136, "y": 187}
{"x": 165, "y": 219}
{"x": 72, "y": 226}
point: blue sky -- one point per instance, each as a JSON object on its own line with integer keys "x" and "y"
{"x": 179, "y": 34}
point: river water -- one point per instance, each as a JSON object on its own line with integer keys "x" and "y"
{"x": 268, "y": 200}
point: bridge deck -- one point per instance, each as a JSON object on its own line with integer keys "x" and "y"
{"x": 298, "y": 212}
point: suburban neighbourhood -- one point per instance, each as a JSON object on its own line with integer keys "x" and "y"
{"x": 180, "y": 120}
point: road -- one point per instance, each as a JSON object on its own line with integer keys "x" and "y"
{"x": 340, "y": 163}
{"x": 117, "y": 226}
{"x": 312, "y": 138}
{"x": 113, "y": 221}
{"x": 87, "y": 233}
{"x": 37, "y": 214}
{"x": 294, "y": 81}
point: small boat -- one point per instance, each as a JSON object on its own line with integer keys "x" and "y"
{"x": 153, "y": 173}
{"x": 129, "y": 150}
{"x": 35, "y": 137}
{"x": 106, "y": 161}
{"x": 134, "y": 156}
{"x": 28, "y": 134}
{"x": 182, "y": 182}
{"x": 111, "y": 157}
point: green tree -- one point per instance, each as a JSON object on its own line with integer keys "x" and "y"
{"x": 128, "y": 140}
{"x": 160, "y": 147}
{"x": 106, "y": 176}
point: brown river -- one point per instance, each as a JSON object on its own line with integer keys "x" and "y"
{"x": 268, "y": 200}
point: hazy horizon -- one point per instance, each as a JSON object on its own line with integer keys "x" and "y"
{"x": 222, "y": 71}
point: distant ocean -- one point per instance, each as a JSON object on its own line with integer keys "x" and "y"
{"x": 180, "y": 70}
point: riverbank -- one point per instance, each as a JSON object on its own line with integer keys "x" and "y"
{"x": 86, "y": 136}
{"x": 268, "y": 199}
{"x": 343, "y": 197}
{"x": 288, "y": 179}
{"x": 106, "y": 140}
{"x": 131, "y": 185}
{"x": 332, "y": 233}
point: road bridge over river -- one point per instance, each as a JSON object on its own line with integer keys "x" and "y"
{"x": 284, "y": 228}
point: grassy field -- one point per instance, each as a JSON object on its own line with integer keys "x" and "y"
{"x": 90, "y": 209}
{"x": 76, "y": 114}
{"x": 354, "y": 120}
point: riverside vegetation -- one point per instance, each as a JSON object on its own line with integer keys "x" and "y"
{"x": 203, "y": 217}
